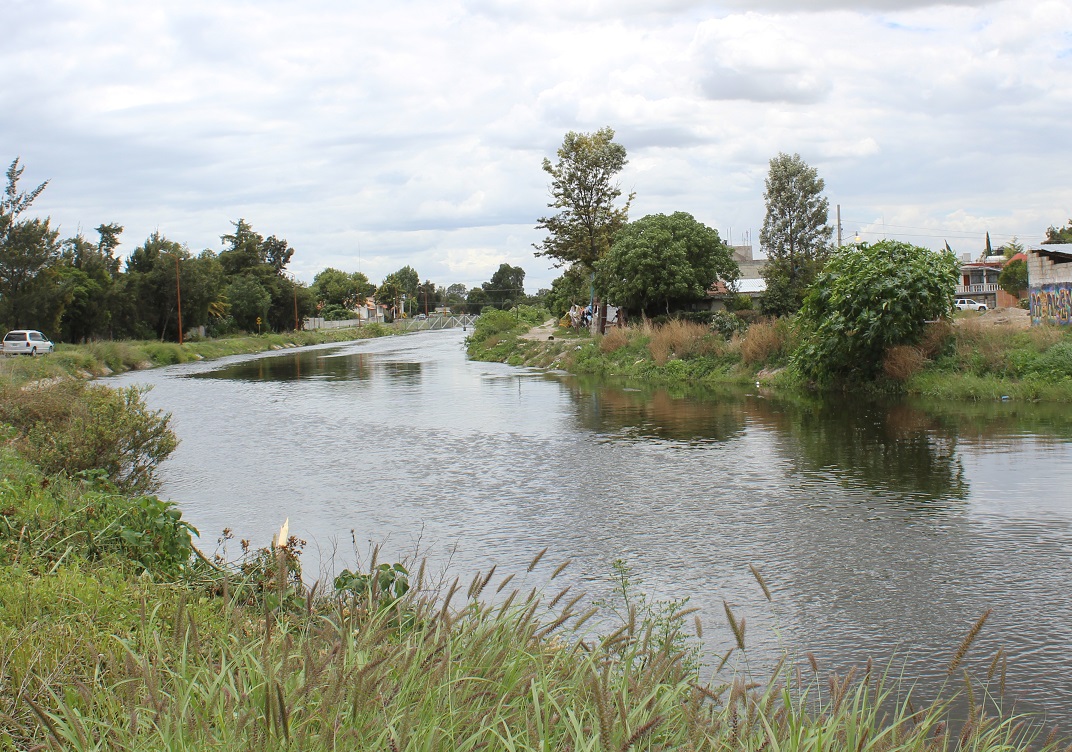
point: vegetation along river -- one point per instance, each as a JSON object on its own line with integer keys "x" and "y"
{"x": 883, "y": 530}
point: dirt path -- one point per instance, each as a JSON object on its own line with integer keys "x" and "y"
{"x": 543, "y": 332}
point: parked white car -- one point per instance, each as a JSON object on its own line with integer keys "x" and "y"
{"x": 26, "y": 342}
{"x": 967, "y": 304}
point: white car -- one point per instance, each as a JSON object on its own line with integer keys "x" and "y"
{"x": 26, "y": 342}
{"x": 967, "y": 304}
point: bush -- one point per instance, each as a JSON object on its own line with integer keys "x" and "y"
{"x": 868, "y": 299}
{"x": 726, "y": 324}
{"x": 70, "y": 426}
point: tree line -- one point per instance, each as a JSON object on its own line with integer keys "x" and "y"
{"x": 79, "y": 289}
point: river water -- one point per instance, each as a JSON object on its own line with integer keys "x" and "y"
{"x": 883, "y": 530}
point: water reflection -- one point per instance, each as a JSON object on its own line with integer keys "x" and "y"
{"x": 315, "y": 365}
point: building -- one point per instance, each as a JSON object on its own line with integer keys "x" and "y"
{"x": 1049, "y": 283}
{"x": 979, "y": 282}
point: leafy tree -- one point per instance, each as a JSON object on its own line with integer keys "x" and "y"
{"x": 407, "y": 281}
{"x": 572, "y": 288}
{"x": 583, "y": 191}
{"x": 248, "y": 301}
{"x": 454, "y": 296}
{"x": 476, "y": 300}
{"x": 88, "y": 274}
{"x": 1013, "y": 247}
{"x": 390, "y": 294}
{"x": 149, "y": 294}
{"x": 868, "y": 299}
{"x": 664, "y": 261}
{"x": 28, "y": 247}
{"x": 1056, "y": 235}
{"x": 506, "y": 287}
{"x": 332, "y": 287}
{"x": 1013, "y": 278}
{"x": 795, "y": 233}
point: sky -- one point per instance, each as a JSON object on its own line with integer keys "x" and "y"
{"x": 375, "y": 135}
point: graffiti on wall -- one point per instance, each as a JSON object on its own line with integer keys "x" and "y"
{"x": 1052, "y": 304}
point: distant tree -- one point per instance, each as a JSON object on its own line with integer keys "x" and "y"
{"x": 390, "y": 294}
{"x": 506, "y": 288}
{"x": 868, "y": 299}
{"x": 28, "y": 248}
{"x": 1013, "y": 247}
{"x": 476, "y": 299}
{"x": 337, "y": 288}
{"x": 795, "y": 233}
{"x": 248, "y": 301}
{"x": 572, "y": 288}
{"x": 454, "y": 297}
{"x": 584, "y": 192}
{"x": 407, "y": 281}
{"x": 664, "y": 262}
{"x": 1056, "y": 235}
{"x": 1013, "y": 277}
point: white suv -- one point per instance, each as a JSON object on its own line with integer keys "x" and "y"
{"x": 26, "y": 342}
{"x": 967, "y": 304}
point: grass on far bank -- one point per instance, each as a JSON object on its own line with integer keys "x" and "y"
{"x": 967, "y": 359}
{"x": 106, "y": 357}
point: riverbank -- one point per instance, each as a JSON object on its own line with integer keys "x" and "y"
{"x": 105, "y": 358}
{"x": 989, "y": 357}
{"x": 115, "y": 634}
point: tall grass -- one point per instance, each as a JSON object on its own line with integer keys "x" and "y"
{"x": 434, "y": 670}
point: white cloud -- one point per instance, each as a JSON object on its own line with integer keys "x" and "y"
{"x": 416, "y": 130}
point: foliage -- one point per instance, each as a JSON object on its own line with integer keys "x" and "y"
{"x": 665, "y": 261}
{"x": 28, "y": 248}
{"x": 506, "y": 287}
{"x": 795, "y": 233}
{"x": 332, "y": 287}
{"x": 384, "y": 586}
{"x": 726, "y": 324}
{"x": 249, "y": 302}
{"x": 70, "y": 426}
{"x": 583, "y": 191}
{"x": 572, "y": 288}
{"x": 1056, "y": 235}
{"x": 1013, "y": 277}
{"x": 868, "y": 299}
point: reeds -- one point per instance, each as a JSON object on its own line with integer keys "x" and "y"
{"x": 518, "y": 675}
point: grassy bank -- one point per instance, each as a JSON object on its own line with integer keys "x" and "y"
{"x": 965, "y": 359}
{"x": 105, "y": 357}
{"x": 116, "y": 633}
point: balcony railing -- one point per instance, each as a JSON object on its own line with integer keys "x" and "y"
{"x": 977, "y": 289}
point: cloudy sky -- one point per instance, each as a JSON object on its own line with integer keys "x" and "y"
{"x": 374, "y": 135}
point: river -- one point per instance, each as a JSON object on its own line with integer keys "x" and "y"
{"x": 884, "y": 530}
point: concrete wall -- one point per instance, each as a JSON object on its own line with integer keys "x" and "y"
{"x": 1049, "y": 280}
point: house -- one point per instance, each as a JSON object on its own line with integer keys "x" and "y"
{"x": 751, "y": 282}
{"x": 979, "y": 282}
{"x": 1049, "y": 283}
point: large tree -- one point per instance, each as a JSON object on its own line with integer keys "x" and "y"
{"x": 584, "y": 191}
{"x": 28, "y": 248}
{"x": 506, "y": 287}
{"x": 795, "y": 233}
{"x": 663, "y": 262}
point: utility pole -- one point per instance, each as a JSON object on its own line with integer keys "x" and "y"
{"x": 839, "y": 225}
{"x": 178, "y": 296}
{"x": 294, "y": 288}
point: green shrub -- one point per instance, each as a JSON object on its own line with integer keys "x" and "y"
{"x": 868, "y": 299}
{"x": 69, "y": 426}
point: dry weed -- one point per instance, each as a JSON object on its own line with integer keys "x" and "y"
{"x": 679, "y": 338}
{"x": 763, "y": 341}
{"x": 902, "y": 362}
{"x": 614, "y": 339}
